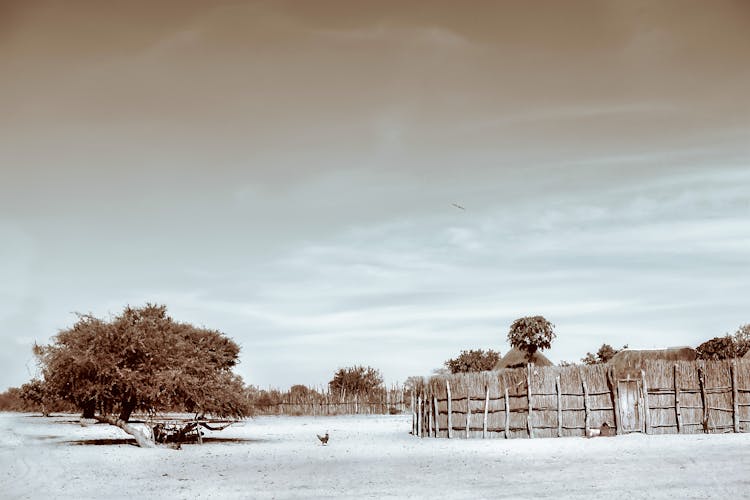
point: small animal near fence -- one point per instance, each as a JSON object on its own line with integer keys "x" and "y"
{"x": 654, "y": 397}
{"x": 323, "y": 402}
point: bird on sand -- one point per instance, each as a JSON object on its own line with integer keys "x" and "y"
{"x": 458, "y": 206}
{"x": 323, "y": 439}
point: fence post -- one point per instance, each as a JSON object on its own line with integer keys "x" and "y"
{"x": 428, "y": 405}
{"x": 468, "y": 411}
{"x": 704, "y": 398}
{"x": 413, "y": 416}
{"x": 586, "y": 410}
{"x": 559, "y": 406}
{"x": 678, "y": 413}
{"x": 450, "y": 409}
{"x": 646, "y": 409}
{"x": 615, "y": 399}
{"x": 437, "y": 414}
{"x": 486, "y": 410}
{"x": 529, "y": 427}
{"x": 419, "y": 416}
{"x": 507, "y": 414}
{"x": 735, "y": 397}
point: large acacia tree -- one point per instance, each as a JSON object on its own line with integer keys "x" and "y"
{"x": 142, "y": 360}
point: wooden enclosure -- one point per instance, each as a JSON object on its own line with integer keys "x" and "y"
{"x": 653, "y": 397}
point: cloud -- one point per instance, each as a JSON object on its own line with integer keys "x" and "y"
{"x": 433, "y": 37}
{"x": 284, "y": 172}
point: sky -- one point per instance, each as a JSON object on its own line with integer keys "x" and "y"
{"x": 285, "y": 172}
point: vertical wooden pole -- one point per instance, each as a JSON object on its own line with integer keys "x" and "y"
{"x": 419, "y": 416}
{"x": 559, "y": 406}
{"x": 468, "y": 412}
{"x": 677, "y": 410}
{"x": 704, "y": 398}
{"x": 735, "y": 397}
{"x": 615, "y": 398}
{"x": 586, "y": 409}
{"x": 450, "y": 409}
{"x": 413, "y": 416}
{"x": 429, "y": 415}
{"x": 507, "y": 414}
{"x": 529, "y": 427}
{"x": 646, "y": 409}
{"x": 486, "y": 410}
{"x": 437, "y": 415}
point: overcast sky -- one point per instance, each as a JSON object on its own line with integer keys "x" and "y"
{"x": 285, "y": 172}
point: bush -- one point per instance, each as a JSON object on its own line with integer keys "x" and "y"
{"x": 473, "y": 361}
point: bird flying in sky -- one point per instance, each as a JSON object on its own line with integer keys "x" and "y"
{"x": 458, "y": 206}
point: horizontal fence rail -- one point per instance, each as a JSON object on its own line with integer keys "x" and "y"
{"x": 652, "y": 397}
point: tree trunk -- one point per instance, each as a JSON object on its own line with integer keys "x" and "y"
{"x": 140, "y": 438}
{"x": 128, "y": 406}
{"x": 89, "y": 409}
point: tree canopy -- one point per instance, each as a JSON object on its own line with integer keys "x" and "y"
{"x": 356, "y": 380}
{"x": 474, "y": 360}
{"x": 530, "y": 334}
{"x": 143, "y": 360}
{"x": 717, "y": 348}
{"x": 742, "y": 340}
{"x": 603, "y": 355}
{"x": 726, "y": 347}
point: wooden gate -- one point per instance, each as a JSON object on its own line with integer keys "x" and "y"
{"x": 630, "y": 396}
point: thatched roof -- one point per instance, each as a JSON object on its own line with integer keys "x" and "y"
{"x": 516, "y": 358}
{"x": 634, "y": 359}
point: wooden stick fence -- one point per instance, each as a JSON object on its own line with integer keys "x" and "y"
{"x": 322, "y": 402}
{"x": 656, "y": 397}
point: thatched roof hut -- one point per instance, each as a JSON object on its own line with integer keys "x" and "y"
{"x": 516, "y": 358}
{"x": 634, "y": 360}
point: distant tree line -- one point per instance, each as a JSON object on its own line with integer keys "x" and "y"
{"x": 144, "y": 361}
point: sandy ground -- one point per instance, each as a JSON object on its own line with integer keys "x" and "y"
{"x": 368, "y": 456}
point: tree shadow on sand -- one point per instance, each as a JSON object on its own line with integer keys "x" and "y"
{"x": 131, "y": 441}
